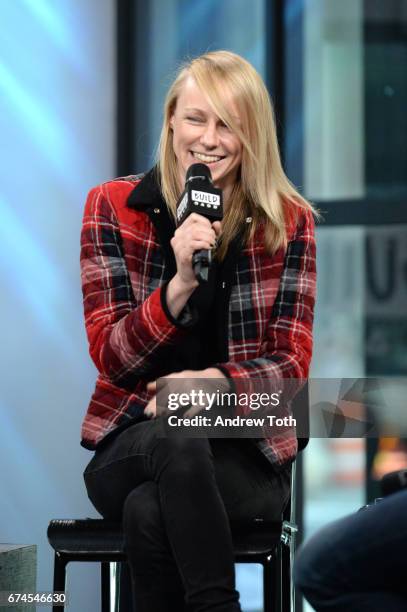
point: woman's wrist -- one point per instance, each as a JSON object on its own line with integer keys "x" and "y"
{"x": 213, "y": 373}
{"x": 178, "y": 294}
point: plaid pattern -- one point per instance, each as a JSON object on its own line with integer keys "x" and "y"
{"x": 123, "y": 271}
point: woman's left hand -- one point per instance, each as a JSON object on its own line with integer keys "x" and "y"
{"x": 178, "y": 386}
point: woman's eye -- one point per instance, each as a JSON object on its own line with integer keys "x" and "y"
{"x": 196, "y": 119}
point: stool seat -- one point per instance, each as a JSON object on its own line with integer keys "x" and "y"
{"x": 89, "y": 537}
{"x": 102, "y": 540}
{"x": 86, "y": 537}
{"x": 256, "y": 539}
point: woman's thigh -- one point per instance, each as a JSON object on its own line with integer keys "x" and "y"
{"x": 248, "y": 485}
{"x": 118, "y": 466}
{"x": 141, "y": 453}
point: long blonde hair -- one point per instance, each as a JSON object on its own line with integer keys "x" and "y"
{"x": 262, "y": 190}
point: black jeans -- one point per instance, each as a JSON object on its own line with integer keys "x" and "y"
{"x": 176, "y": 496}
{"x": 358, "y": 563}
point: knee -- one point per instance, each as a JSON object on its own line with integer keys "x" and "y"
{"x": 178, "y": 446}
{"x": 185, "y": 457}
{"x": 307, "y": 563}
{"x": 316, "y": 567}
{"x": 311, "y": 566}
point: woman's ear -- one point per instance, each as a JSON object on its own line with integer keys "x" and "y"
{"x": 172, "y": 122}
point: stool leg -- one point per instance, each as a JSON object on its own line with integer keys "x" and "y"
{"x": 269, "y": 586}
{"x": 272, "y": 577}
{"x": 59, "y": 578}
{"x": 105, "y": 586}
{"x": 286, "y": 587}
{"x": 115, "y": 585}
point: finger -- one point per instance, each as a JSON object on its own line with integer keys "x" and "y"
{"x": 195, "y": 233}
{"x": 150, "y": 410}
{"x": 217, "y": 226}
{"x": 189, "y": 245}
{"x": 193, "y": 411}
{"x": 152, "y": 386}
{"x": 184, "y": 256}
{"x": 201, "y": 244}
{"x": 192, "y": 244}
{"x": 202, "y": 233}
{"x": 195, "y": 218}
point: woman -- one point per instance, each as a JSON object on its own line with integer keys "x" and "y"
{"x": 147, "y": 317}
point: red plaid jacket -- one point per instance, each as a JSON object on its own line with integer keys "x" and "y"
{"x": 125, "y": 265}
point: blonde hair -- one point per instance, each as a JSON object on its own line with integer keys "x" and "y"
{"x": 262, "y": 190}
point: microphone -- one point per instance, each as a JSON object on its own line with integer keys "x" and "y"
{"x": 200, "y": 196}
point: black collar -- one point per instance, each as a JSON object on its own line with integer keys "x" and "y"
{"x": 147, "y": 193}
{"x": 146, "y": 197}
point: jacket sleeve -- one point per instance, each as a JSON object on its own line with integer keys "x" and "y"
{"x": 125, "y": 336}
{"x": 288, "y": 343}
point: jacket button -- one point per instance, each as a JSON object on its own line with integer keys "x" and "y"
{"x": 223, "y": 285}
{"x": 156, "y": 210}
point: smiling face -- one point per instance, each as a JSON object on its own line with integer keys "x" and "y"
{"x": 200, "y": 136}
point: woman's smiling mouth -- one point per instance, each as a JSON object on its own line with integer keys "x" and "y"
{"x": 207, "y": 159}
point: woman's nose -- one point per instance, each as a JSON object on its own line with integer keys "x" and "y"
{"x": 210, "y": 136}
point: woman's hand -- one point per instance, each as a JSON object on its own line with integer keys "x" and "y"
{"x": 194, "y": 234}
{"x": 184, "y": 382}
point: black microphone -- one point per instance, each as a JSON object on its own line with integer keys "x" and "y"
{"x": 200, "y": 196}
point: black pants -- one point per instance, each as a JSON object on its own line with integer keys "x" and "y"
{"x": 176, "y": 496}
{"x": 358, "y": 563}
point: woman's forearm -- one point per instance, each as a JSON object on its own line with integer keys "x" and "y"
{"x": 178, "y": 294}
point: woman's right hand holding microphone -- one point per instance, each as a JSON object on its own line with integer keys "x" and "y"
{"x": 194, "y": 234}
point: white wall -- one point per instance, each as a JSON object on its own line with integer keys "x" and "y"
{"x": 57, "y": 126}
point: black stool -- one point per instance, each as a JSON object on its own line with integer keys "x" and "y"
{"x": 102, "y": 541}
